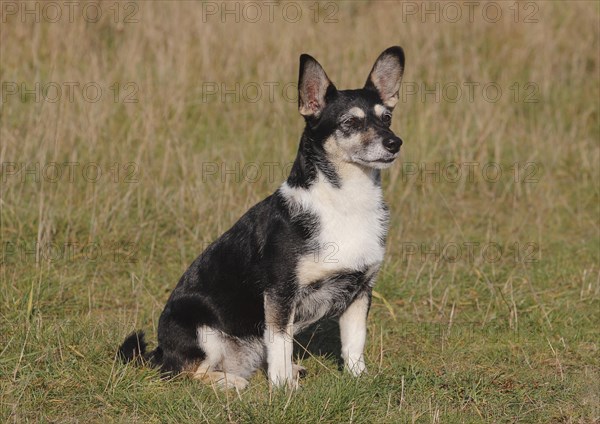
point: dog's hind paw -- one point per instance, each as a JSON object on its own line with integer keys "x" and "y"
{"x": 222, "y": 380}
{"x": 231, "y": 381}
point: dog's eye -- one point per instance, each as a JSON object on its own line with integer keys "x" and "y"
{"x": 387, "y": 119}
{"x": 353, "y": 122}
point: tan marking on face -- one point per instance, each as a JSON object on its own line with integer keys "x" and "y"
{"x": 379, "y": 110}
{"x": 368, "y": 136}
{"x": 340, "y": 152}
{"x": 358, "y": 112}
{"x": 334, "y": 151}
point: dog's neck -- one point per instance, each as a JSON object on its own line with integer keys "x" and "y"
{"x": 313, "y": 161}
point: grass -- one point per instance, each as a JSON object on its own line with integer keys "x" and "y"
{"x": 474, "y": 336}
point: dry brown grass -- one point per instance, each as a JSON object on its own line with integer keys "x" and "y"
{"x": 54, "y": 311}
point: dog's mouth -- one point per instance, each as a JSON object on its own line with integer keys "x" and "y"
{"x": 378, "y": 163}
{"x": 384, "y": 160}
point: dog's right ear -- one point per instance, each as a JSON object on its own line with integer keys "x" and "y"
{"x": 313, "y": 85}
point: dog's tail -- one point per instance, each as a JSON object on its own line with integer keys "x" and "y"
{"x": 133, "y": 349}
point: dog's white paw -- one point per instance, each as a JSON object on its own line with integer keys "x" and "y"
{"x": 290, "y": 382}
{"x": 356, "y": 367}
{"x": 231, "y": 381}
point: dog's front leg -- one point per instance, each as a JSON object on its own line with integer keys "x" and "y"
{"x": 279, "y": 342}
{"x": 353, "y": 332}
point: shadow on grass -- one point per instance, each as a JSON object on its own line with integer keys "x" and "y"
{"x": 320, "y": 339}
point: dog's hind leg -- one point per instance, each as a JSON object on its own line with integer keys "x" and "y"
{"x": 229, "y": 361}
{"x": 220, "y": 379}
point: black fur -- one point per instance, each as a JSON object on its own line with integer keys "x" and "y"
{"x": 133, "y": 348}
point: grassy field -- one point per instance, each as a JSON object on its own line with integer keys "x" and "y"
{"x": 131, "y": 140}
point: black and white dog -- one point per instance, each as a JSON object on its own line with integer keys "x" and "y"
{"x": 238, "y": 306}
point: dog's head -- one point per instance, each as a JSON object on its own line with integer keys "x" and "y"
{"x": 353, "y": 125}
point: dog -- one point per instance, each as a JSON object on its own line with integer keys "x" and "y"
{"x": 310, "y": 250}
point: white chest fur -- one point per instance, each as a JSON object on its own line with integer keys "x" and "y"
{"x": 352, "y": 225}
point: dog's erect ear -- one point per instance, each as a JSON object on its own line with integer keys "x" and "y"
{"x": 386, "y": 75}
{"x": 313, "y": 84}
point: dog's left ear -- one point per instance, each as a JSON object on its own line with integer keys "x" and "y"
{"x": 386, "y": 75}
{"x": 313, "y": 85}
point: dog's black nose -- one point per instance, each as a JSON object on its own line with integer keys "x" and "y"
{"x": 392, "y": 144}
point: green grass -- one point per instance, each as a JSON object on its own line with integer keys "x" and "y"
{"x": 466, "y": 340}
